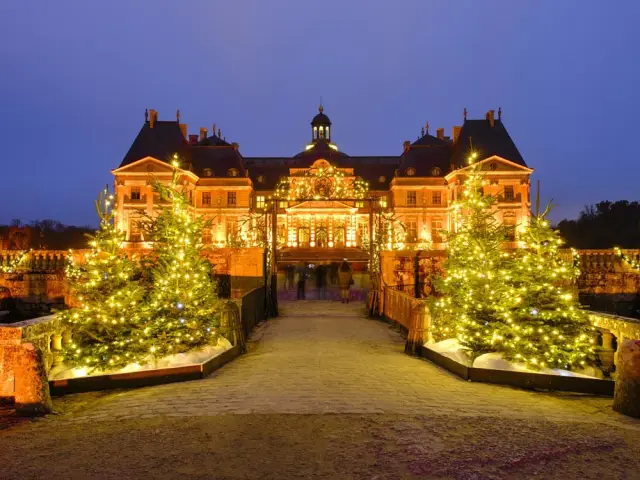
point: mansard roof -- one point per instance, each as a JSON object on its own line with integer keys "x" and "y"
{"x": 217, "y": 159}
{"x": 161, "y": 142}
{"x": 486, "y": 140}
{"x": 428, "y": 156}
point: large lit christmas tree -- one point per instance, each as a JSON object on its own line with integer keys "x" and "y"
{"x": 105, "y": 321}
{"x": 545, "y": 325}
{"x": 182, "y": 310}
{"x": 477, "y": 271}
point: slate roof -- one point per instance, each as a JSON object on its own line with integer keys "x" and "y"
{"x": 218, "y": 159}
{"x": 213, "y": 141}
{"x": 487, "y": 141}
{"x": 425, "y": 154}
{"x": 161, "y": 142}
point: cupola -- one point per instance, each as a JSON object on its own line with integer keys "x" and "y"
{"x": 321, "y": 127}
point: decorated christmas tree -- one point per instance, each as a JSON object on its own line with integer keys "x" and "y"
{"x": 182, "y": 310}
{"x": 469, "y": 306}
{"x": 545, "y": 325}
{"x": 108, "y": 296}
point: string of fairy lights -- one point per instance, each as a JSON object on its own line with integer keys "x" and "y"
{"x": 634, "y": 264}
{"x": 515, "y": 302}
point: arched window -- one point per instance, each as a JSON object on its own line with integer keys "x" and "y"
{"x": 233, "y": 172}
{"x": 208, "y": 172}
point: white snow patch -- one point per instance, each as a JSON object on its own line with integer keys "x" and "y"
{"x": 193, "y": 357}
{"x": 494, "y": 361}
{"x": 452, "y": 349}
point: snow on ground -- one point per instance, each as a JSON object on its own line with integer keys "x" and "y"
{"x": 193, "y": 357}
{"x": 452, "y": 349}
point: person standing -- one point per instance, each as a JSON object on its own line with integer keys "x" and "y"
{"x": 321, "y": 282}
{"x": 302, "y": 277}
{"x": 345, "y": 279}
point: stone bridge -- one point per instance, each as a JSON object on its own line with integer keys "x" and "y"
{"x": 325, "y": 392}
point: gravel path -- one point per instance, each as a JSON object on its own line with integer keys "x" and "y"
{"x": 325, "y": 393}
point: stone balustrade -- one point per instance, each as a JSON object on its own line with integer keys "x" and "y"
{"x": 27, "y": 353}
{"x": 612, "y": 331}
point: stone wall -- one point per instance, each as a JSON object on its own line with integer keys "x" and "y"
{"x": 602, "y": 271}
{"x": 39, "y": 281}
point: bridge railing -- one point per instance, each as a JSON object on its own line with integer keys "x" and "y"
{"x": 611, "y": 331}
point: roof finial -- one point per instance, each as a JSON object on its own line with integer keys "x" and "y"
{"x": 178, "y": 115}
{"x": 499, "y": 113}
{"x": 213, "y": 132}
{"x": 423, "y": 131}
{"x": 427, "y": 128}
{"x": 321, "y": 108}
{"x": 465, "y": 113}
{"x": 146, "y": 114}
{"x": 219, "y": 133}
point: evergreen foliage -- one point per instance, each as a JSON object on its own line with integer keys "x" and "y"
{"x": 109, "y": 298}
{"x": 182, "y": 309}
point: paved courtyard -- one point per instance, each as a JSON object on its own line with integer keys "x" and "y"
{"x": 327, "y": 358}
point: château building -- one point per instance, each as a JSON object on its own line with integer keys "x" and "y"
{"x": 324, "y": 198}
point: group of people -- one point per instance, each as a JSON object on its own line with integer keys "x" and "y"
{"x": 342, "y": 274}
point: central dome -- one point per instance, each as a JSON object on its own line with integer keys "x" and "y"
{"x": 321, "y": 119}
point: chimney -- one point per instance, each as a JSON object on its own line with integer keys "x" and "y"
{"x": 440, "y": 133}
{"x": 407, "y": 146}
{"x": 193, "y": 139}
{"x": 183, "y": 129}
{"x": 490, "y": 117}
{"x": 153, "y": 118}
{"x": 203, "y": 133}
{"x": 456, "y": 133}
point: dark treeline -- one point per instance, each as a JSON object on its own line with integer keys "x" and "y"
{"x": 43, "y": 234}
{"x": 604, "y": 225}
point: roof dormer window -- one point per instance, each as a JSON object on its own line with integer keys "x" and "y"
{"x": 207, "y": 172}
{"x": 232, "y": 172}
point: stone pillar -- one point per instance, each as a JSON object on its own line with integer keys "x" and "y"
{"x": 32, "y": 387}
{"x": 420, "y": 331}
{"x": 606, "y": 353}
{"x": 626, "y": 399}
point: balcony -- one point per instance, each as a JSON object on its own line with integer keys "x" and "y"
{"x": 140, "y": 200}
{"x": 517, "y": 198}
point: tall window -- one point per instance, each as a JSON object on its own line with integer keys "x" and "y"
{"x": 232, "y": 227}
{"x": 231, "y": 198}
{"x": 206, "y": 236}
{"x": 509, "y": 221}
{"x": 283, "y": 204}
{"x": 135, "y": 193}
{"x": 411, "y": 198}
{"x": 359, "y": 204}
{"x": 206, "y": 198}
{"x": 259, "y": 201}
{"x": 134, "y": 231}
{"x": 436, "y": 198}
{"x": 383, "y": 201}
{"x": 436, "y": 227}
{"x": 412, "y": 230}
{"x": 508, "y": 193}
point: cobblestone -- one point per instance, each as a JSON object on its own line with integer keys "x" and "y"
{"x": 326, "y": 357}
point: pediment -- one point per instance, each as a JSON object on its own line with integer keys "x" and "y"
{"x": 145, "y": 165}
{"x": 494, "y": 164}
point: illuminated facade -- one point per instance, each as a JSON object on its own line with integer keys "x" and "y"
{"x": 325, "y": 199}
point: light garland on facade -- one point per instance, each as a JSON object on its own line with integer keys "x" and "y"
{"x": 15, "y": 261}
{"x": 321, "y": 183}
{"x": 625, "y": 258}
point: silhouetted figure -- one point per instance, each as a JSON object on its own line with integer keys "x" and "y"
{"x": 301, "y": 274}
{"x": 321, "y": 282}
{"x": 345, "y": 279}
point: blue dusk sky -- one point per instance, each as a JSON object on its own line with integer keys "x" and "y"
{"x": 76, "y": 77}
